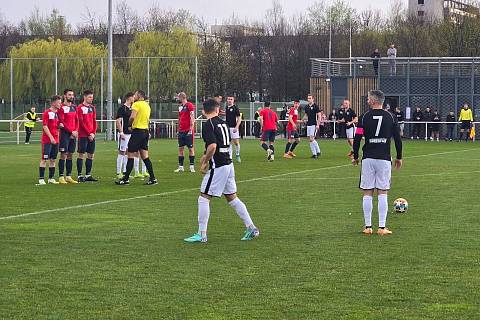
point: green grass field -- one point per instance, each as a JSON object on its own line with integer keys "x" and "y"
{"x": 101, "y": 253}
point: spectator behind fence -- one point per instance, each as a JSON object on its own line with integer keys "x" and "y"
{"x": 257, "y": 125}
{"x": 321, "y": 128}
{"x": 400, "y": 119}
{"x": 450, "y": 126}
{"x": 284, "y": 119}
{"x": 392, "y": 56}
{"x": 375, "y": 60}
{"x": 342, "y": 127}
{"x": 417, "y": 127}
{"x": 428, "y": 117}
{"x": 333, "y": 117}
{"x": 436, "y": 126}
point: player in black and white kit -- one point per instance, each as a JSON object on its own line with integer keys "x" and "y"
{"x": 232, "y": 115}
{"x": 312, "y": 118}
{"x": 122, "y": 120}
{"x": 219, "y": 178}
{"x": 349, "y": 120}
{"x": 377, "y": 126}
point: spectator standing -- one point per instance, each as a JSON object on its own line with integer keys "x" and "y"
{"x": 333, "y": 117}
{"x": 323, "y": 119}
{"x": 375, "y": 60}
{"x": 450, "y": 126}
{"x": 428, "y": 117}
{"x": 392, "y": 56}
{"x": 400, "y": 119}
{"x": 436, "y": 126}
{"x": 417, "y": 127}
{"x": 284, "y": 120}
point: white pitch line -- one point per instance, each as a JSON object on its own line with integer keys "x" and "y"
{"x": 81, "y": 206}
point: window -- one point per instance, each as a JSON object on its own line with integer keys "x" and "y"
{"x": 421, "y": 1}
{"x": 421, "y": 13}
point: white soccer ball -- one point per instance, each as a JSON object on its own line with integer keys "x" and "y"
{"x": 400, "y": 205}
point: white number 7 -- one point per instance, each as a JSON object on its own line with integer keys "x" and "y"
{"x": 379, "y": 124}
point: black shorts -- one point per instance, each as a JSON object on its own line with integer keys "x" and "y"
{"x": 185, "y": 139}
{"x": 85, "y": 145}
{"x": 293, "y": 134}
{"x": 269, "y": 135}
{"x": 138, "y": 140}
{"x": 465, "y": 124}
{"x": 49, "y": 151}
{"x": 67, "y": 144}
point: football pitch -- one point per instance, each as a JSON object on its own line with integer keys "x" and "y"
{"x": 100, "y": 251}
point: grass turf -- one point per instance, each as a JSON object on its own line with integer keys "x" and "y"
{"x": 127, "y": 260}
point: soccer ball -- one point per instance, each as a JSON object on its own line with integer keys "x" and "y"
{"x": 400, "y": 205}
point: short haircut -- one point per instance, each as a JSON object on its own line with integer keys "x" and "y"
{"x": 296, "y": 100}
{"x": 377, "y": 95}
{"x": 266, "y": 104}
{"x": 142, "y": 94}
{"x": 182, "y": 95}
{"x": 87, "y": 93}
{"x": 209, "y": 105}
{"x": 55, "y": 98}
{"x": 129, "y": 95}
{"x": 310, "y": 95}
{"x": 217, "y": 95}
{"x": 67, "y": 91}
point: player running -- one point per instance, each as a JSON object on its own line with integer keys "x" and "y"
{"x": 87, "y": 129}
{"x": 49, "y": 141}
{"x": 234, "y": 120}
{"x": 377, "y": 126}
{"x": 68, "y": 124}
{"x": 292, "y": 131}
{"x": 268, "y": 121}
{"x": 219, "y": 179}
{"x": 312, "y": 118}
{"x": 186, "y": 123}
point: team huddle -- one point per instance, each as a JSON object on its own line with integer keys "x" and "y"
{"x": 67, "y": 127}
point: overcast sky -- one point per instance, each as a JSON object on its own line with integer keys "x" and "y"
{"x": 212, "y": 10}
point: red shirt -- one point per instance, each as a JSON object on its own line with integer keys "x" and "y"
{"x": 87, "y": 120}
{"x": 67, "y": 115}
{"x": 294, "y": 114}
{"x": 184, "y": 112}
{"x": 50, "y": 119}
{"x": 270, "y": 119}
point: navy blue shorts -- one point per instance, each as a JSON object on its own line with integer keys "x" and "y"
{"x": 466, "y": 125}
{"x": 85, "y": 145}
{"x": 49, "y": 151}
{"x": 293, "y": 134}
{"x": 67, "y": 144}
{"x": 185, "y": 139}
{"x": 269, "y": 135}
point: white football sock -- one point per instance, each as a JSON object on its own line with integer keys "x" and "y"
{"x": 144, "y": 168}
{"x": 382, "y": 210}
{"x": 230, "y": 151}
{"x": 242, "y": 212}
{"x": 313, "y": 148}
{"x": 125, "y": 160}
{"x": 136, "y": 164}
{"x": 119, "y": 163}
{"x": 317, "y": 147}
{"x": 367, "y": 210}
{"x": 237, "y": 149}
{"x": 203, "y": 214}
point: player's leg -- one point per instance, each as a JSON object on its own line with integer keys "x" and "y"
{"x": 132, "y": 151}
{"x": 63, "y": 148}
{"x": 203, "y": 216}
{"x": 82, "y": 148}
{"x": 367, "y": 206}
{"x": 288, "y": 146}
{"x": 51, "y": 168}
{"x": 191, "y": 152}
{"x": 383, "y": 173}
{"x": 349, "y": 133}
{"x": 367, "y": 185}
{"x": 43, "y": 163}
{"x": 122, "y": 152}
{"x": 148, "y": 164}
{"x": 235, "y": 142}
{"x": 271, "y": 147}
{"x": 89, "y": 161}
{"x": 69, "y": 161}
{"x": 296, "y": 141}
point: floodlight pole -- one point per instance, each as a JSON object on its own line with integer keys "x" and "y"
{"x": 110, "y": 73}
{"x": 330, "y": 42}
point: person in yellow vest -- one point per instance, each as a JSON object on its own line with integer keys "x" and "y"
{"x": 466, "y": 118}
{"x": 30, "y": 117}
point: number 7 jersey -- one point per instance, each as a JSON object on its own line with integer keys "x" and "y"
{"x": 378, "y": 127}
{"x": 216, "y": 131}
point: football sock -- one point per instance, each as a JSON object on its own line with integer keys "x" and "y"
{"x": 181, "y": 160}
{"x": 272, "y": 148}
{"x": 242, "y": 211}
{"x": 192, "y": 160}
{"x": 41, "y": 172}
{"x": 79, "y": 166}
{"x": 382, "y": 210}
{"x": 367, "y": 210}
{"x": 88, "y": 166}
{"x": 124, "y": 165}
{"x": 144, "y": 167}
{"x": 136, "y": 165}
{"x": 149, "y": 166}
{"x": 69, "y": 166}
{"x": 264, "y": 146}
{"x": 51, "y": 172}
{"x": 317, "y": 147}
{"x": 287, "y": 147}
{"x": 119, "y": 163}
{"x": 237, "y": 149}
{"x": 230, "y": 151}
{"x": 313, "y": 148}
{"x": 129, "y": 169}
{"x": 294, "y": 145}
{"x": 203, "y": 215}
{"x": 61, "y": 167}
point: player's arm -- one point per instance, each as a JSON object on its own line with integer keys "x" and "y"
{"x": 61, "y": 118}
{"x": 132, "y": 117}
{"x": 94, "y": 123}
{"x": 239, "y": 120}
{"x": 192, "y": 121}
{"x": 118, "y": 123}
{"x": 47, "y": 132}
{"x": 398, "y": 145}
{"x": 290, "y": 119}
{"x": 356, "y": 143}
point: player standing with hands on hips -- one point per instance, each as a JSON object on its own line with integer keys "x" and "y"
{"x": 377, "y": 126}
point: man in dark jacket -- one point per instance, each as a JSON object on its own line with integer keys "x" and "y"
{"x": 375, "y": 60}
{"x": 428, "y": 117}
{"x": 450, "y": 126}
{"x": 417, "y": 127}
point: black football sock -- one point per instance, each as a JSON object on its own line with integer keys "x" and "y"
{"x": 181, "y": 160}
{"x": 129, "y": 169}
{"x": 79, "y": 166}
{"x": 88, "y": 166}
{"x": 149, "y": 166}
{"x": 294, "y": 145}
{"x": 69, "y": 166}
{"x": 264, "y": 146}
{"x": 51, "y": 172}
{"x": 272, "y": 148}
{"x": 287, "y": 147}
{"x": 61, "y": 167}
{"x": 192, "y": 160}
{"x": 41, "y": 171}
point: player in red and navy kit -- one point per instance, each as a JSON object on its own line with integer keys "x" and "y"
{"x": 268, "y": 121}
{"x": 292, "y": 131}
{"x": 49, "y": 141}
{"x": 186, "y": 122}
{"x": 87, "y": 128}
{"x": 68, "y": 124}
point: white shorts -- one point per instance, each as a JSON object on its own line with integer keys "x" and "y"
{"x": 219, "y": 181}
{"x": 350, "y": 132}
{"x": 402, "y": 126}
{"x": 311, "y": 131}
{"x": 376, "y": 174}
{"x": 123, "y": 144}
{"x": 234, "y": 135}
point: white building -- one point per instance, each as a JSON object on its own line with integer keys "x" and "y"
{"x": 438, "y": 10}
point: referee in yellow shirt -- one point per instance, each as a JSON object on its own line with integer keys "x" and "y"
{"x": 139, "y": 121}
{"x": 466, "y": 118}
